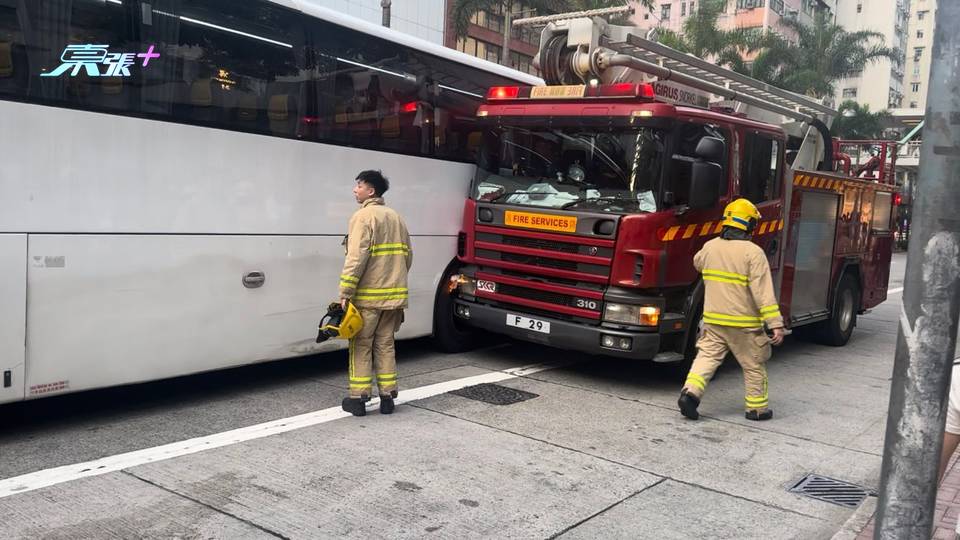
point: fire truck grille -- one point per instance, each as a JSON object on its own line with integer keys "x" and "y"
{"x": 539, "y": 261}
{"x": 540, "y": 296}
{"x": 540, "y": 244}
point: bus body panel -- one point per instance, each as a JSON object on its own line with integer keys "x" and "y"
{"x": 156, "y": 177}
{"x": 118, "y": 309}
{"x": 13, "y": 307}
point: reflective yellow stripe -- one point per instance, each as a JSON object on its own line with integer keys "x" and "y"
{"x": 695, "y": 380}
{"x": 730, "y": 317}
{"x": 770, "y": 309}
{"x": 347, "y": 285}
{"x": 360, "y": 386}
{"x": 351, "y": 279}
{"x": 383, "y": 291}
{"x": 389, "y": 246}
{"x": 731, "y": 324}
{"x": 387, "y": 377}
{"x": 772, "y": 315}
{"x": 671, "y": 233}
{"x": 721, "y": 273}
{"x": 391, "y": 252}
{"x": 724, "y": 280}
{"x": 378, "y": 297}
{"x": 361, "y": 379}
{"x": 756, "y": 399}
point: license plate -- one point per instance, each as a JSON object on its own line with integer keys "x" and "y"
{"x": 543, "y": 222}
{"x": 527, "y": 323}
{"x": 486, "y": 286}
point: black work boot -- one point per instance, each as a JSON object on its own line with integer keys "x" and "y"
{"x": 354, "y": 406}
{"x": 386, "y": 405}
{"x": 688, "y": 405}
{"x": 759, "y": 414}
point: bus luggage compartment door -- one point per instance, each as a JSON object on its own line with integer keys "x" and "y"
{"x": 816, "y": 234}
{"x": 13, "y": 308}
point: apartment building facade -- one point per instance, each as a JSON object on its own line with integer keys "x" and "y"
{"x": 919, "y": 44}
{"x": 762, "y": 15}
{"x": 485, "y": 35}
{"x": 879, "y": 84}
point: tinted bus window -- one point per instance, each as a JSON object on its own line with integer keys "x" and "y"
{"x": 249, "y": 66}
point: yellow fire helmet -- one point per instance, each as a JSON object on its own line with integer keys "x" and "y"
{"x": 338, "y": 323}
{"x": 741, "y": 214}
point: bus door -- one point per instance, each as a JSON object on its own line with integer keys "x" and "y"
{"x": 13, "y": 310}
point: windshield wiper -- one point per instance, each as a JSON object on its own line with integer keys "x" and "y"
{"x": 605, "y": 198}
{"x": 510, "y": 193}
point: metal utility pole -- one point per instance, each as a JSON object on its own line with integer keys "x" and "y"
{"x": 931, "y": 302}
{"x": 385, "y": 5}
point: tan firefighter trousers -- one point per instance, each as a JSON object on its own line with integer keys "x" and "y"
{"x": 752, "y": 349}
{"x": 372, "y": 352}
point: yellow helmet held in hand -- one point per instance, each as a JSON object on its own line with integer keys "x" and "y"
{"x": 338, "y": 323}
{"x": 741, "y": 214}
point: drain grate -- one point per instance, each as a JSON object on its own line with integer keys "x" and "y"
{"x": 494, "y": 394}
{"x": 831, "y": 490}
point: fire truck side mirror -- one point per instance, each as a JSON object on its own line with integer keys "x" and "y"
{"x": 705, "y": 181}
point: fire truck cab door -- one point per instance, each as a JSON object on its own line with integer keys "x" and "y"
{"x": 761, "y": 182}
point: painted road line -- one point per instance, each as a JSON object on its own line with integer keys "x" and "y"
{"x": 66, "y": 473}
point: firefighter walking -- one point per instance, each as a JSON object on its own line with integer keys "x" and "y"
{"x": 739, "y": 301}
{"x": 374, "y": 280}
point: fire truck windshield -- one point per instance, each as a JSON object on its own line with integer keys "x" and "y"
{"x": 611, "y": 170}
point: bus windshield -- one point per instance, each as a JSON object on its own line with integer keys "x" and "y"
{"x": 614, "y": 170}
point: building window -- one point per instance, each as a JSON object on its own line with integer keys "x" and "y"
{"x": 749, "y": 4}
{"x": 917, "y": 53}
{"x": 493, "y": 53}
{"x": 919, "y": 34}
{"x": 913, "y": 104}
{"x": 915, "y": 87}
{"x": 859, "y": 8}
{"x": 664, "y": 12}
{"x": 646, "y": 16}
{"x": 849, "y": 93}
{"x": 522, "y": 62}
{"x": 683, "y": 9}
{"x": 777, "y": 6}
{"x": 916, "y": 70}
{"x": 921, "y": 15}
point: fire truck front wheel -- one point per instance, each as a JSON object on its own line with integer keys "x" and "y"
{"x": 837, "y": 329}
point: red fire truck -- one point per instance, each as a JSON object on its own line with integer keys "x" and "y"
{"x": 594, "y": 192}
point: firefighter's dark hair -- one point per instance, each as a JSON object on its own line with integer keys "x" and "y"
{"x": 376, "y": 180}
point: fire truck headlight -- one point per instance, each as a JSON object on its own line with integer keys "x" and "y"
{"x": 628, "y": 314}
{"x": 468, "y": 286}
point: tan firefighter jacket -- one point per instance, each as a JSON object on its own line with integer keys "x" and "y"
{"x": 378, "y": 258}
{"x": 739, "y": 289}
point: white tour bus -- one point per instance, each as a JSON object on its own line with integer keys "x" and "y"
{"x": 176, "y": 179}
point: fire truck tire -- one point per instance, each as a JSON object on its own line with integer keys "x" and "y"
{"x": 837, "y": 329}
{"x": 449, "y": 334}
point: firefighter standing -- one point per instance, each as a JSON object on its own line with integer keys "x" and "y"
{"x": 374, "y": 279}
{"x": 739, "y": 300}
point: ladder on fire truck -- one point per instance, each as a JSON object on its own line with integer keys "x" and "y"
{"x": 581, "y": 45}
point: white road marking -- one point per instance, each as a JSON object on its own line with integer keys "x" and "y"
{"x": 66, "y": 473}
{"x": 895, "y": 291}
